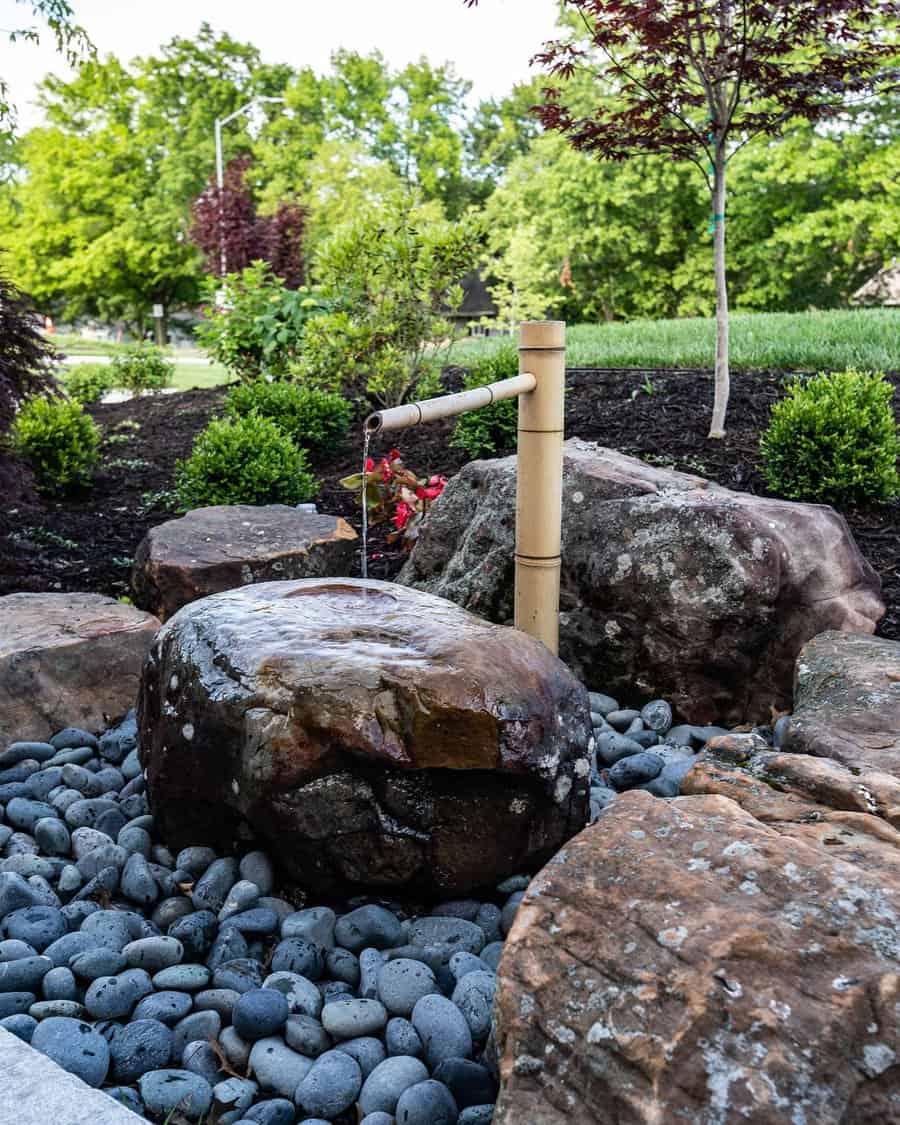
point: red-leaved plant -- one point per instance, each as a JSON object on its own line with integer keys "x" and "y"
{"x": 394, "y": 493}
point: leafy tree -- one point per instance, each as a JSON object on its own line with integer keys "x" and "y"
{"x": 698, "y": 81}
{"x": 27, "y": 358}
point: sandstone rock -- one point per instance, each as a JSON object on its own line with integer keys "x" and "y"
{"x": 683, "y": 961}
{"x": 847, "y": 701}
{"x": 214, "y": 549}
{"x": 66, "y": 660}
{"x": 692, "y": 592}
{"x": 373, "y": 735}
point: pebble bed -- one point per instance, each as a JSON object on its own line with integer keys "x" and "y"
{"x": 184, "y": 987}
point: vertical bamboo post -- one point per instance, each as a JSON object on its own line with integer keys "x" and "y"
{"x": 542, "y": 352}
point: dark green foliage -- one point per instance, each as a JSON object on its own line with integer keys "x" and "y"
{"x": 492, "y": 429}
{"x": 833, "y": 439}
{"x": 58, "y": 441}
{"x": 315, "y": 420}
{"x": 142, "y": 368}
{"x": 88, "y": 382}
{"x": 244, "y": 461}
{"x": 26, "y": 356}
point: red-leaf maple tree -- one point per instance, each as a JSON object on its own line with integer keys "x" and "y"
{"x": 698, "y": 79}
{"x": 231, "y": 235}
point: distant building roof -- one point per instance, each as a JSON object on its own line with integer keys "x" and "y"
{"x": 476, "y": 299}
{"x": 882, "y": 289}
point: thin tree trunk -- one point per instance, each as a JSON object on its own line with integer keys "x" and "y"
{"x": 723, "y": 378}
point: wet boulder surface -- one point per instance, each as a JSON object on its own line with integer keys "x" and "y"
{"x": 375, "y": 736}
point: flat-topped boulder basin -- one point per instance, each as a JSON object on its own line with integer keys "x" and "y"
{"x": 377, "y": 737}
{"x": 68, "y": 658}
{"x": 209, "y": 550}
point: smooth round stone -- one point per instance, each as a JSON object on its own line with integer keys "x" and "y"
{"x": 86, "y": 813}
{"x": 60, "y": 984}
{"x": 96, "y": 963}
{"x": 294, "y": 955}
{"x": 349, "y": 1019}
{"x": 24, "y": 974}
{"x": 622, "y": 719}
{"x": 135, "y": 841}
{"x": 120, "y": 740}
{"x": 15, "y": 1003}
{"x": 334, "y": 990}
{"x": 510, "y": 910}
{"x": 426, "y": 1103}
{"x": 402, "y": 983}
{"x": 202, "y": 1026}
{"x": 77, "y": 777}
{"x": 139, "y": 1046}
{"x": 282, "y": 909}
{"x": 153, "y": 953}
{"x": 52, "y": 836}
{"x": 15, "y": 892}
{"x": 635, "y": 770}
{"x": 469, "y": 1082}
{"x": 645, "y": 738}
{"x": 275, "y": 1111}
{"x": 601, "y": 703}
{"x": 382, "y": 1089}
{"x": 234, "y": 1093}
{"x": 196, "y": 932}
{"x": 401, "y": 1038}
{"x": 70, "y": 880}
{"x": 182, "y": 978}
{"x": 454, "y": 932}
{"x": 306, "y": 1035}
{"x": 74, "y": 1046}
{"x": 113, "y": 997}
{"x": 221, "y": 1000}
{"x": 378, "y": 1118}
{"x": 342, "y": 965}
{"x": 12, "y": 950}
{"x": 228, "y": 946}
{"x": 131, "y": 766}
{"x": 242, "y": 896}
{"x": 488, "y": 918}
{"x": 368, "y": 926}
{"x": 276, "y": 1067}
{"x": 43, "y": 783}
{"x": 477, "y": 1115}
{"x": 39, "y": 926}
{"x": 442, "y": 1029}
{"x": 24, "y": 814}
{"x": 44, "y": 1009}
{"x": 252, "y": 923}
{"x": 370, "y": 962}
{"x": 70, "y": 738}
{"x": 22, "y": 1026}
{"x": 84, "y": 840}
{"x": 612, "y": 748}
{"x": 76, "y": 912}
{"x": 315, "y": 925}
{"x": 137, "y": 882}
{"x": 128, "y": 1098}
{"x": 368, "y": 1051}
{"x": 331, "y": 1086}
{"x": 211, "y": 889}
{"x": 463, "y": 963}
{"x": 474, "y": 996}
{"x": 24, "y": 751}
{"x": 241, "y": 974}
{"x": 163, "y": 1091}
{"x": 236, "y": 1051}
{"x": 111, "y": 928}
{"x": 164, "y": 1007}
{"x": 256, "y": 868}
{"x": 260, "y": 1014}
{"x": 195, "y": 860}
{"x": 199, "y": 1057}
{"x": 302, "y": 996}
{"x": 170, "y": 911}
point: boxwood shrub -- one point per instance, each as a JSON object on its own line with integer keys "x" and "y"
{"x": 316, "y": 420}
{"x": 58, "y": 441}
{"x": 491, "y": 430}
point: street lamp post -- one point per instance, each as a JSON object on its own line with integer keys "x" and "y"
{"x": 221, "y": 122}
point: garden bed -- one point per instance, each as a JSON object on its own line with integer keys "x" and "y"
{"x": 87, "y": 543}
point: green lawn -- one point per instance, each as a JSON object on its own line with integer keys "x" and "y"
{"x": 190, "y": 375}
{"x": 70, "y": 344}
{"x": 865, "y": 338}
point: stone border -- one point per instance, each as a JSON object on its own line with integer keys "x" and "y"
{"x": 35, "y": 1091}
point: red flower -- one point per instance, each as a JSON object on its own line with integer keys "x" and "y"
{"x": 387, "y": 471}
{"x": 421, "y": 493}
{"x": 394, "y": 455}
{"x": 402, "y": 515}
{"x": 370, "y": 465}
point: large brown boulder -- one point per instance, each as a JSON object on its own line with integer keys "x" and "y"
{"x": 213, "y": 549}
{"x": 68, "y": 660}
{"x": 847, "y": 701}
{"x": 375, "y": 736}
{"x": 670, "y": 584}
{"x": 685, "y": 961}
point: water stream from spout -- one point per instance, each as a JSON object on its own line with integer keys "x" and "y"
{"x": 365, "y": 506}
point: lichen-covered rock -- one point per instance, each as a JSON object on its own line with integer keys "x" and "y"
{"x": 68, "y": 659}
{"x": 847, "y": 701}
{"x": 683, "y": 961}
{"x": 670, "y": 583}
{"x": 375, "y": 736}
{"x": 213, "y": 549}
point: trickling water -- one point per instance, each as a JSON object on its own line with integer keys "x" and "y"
{"x": 365, "y": 507}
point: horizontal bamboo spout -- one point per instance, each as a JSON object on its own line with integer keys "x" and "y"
{"x": 448, "y": 406}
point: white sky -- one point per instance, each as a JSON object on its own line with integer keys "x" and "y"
{"x": 490, "y": 45}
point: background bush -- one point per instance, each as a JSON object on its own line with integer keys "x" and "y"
{"x": 492, "y": 429}
{"x": 142, "y": 368}
{"x": 315, "y": 420}
{"x": 27, "y": 358}
{"x": 58, "y": 441}
{"x": 244, "y": 461}
{"x": 89, "y": 382}
{"x": 833, "y": 438}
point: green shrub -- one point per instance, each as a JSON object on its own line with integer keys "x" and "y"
{"x": 833, "y": 438}
{"x": 58, "y": 441}
{"x": 244, "y": 461}
{"x": 315, "y": 420}
{"x": 140, "y": 368}
{"x": 88, "y": 382}
{"x": 492, "y": 429}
